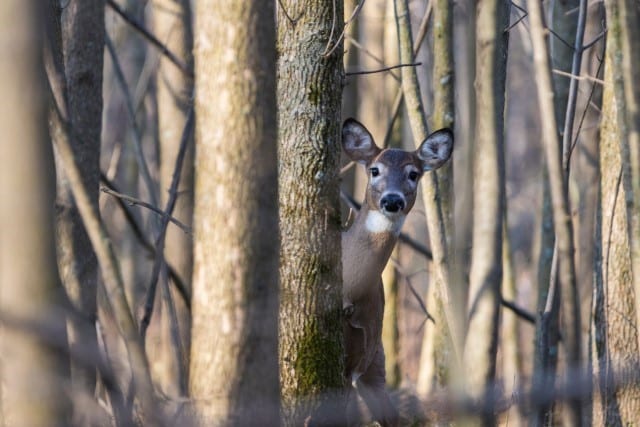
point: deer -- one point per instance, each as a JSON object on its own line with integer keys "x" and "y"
{"x": 393, "y": 177}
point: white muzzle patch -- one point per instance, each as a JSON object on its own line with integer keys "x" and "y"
{"x": 378, "y": 222}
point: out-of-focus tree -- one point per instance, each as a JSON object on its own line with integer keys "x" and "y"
{"x": 234, "y": 365}
{"x": 32, "y": 370}
{"x": 485, "y": 277}
{"x": 309, "y": 95}
{"x": 82, "y": 25}
{"x": 172, "y": 25}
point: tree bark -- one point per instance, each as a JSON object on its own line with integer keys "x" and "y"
{"x": 32, "y": 372}
{"x": 563, "y": 226}
{"x": 614, "y": 334}
{"x": 83, "y": 46}
{"x": 429, "y": 184}
{"x": 309, "y": 87}
{"x": 172, "y": 23}
{"x": 489, "y": 203}
{"x": 234, "y": 369}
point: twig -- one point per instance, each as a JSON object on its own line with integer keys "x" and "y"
{"x": 556, "y": 35}
{"x": 137, "y": 231}
{"x": 173, "y": 196}
{"x": 380, "y": 70}
{"x": 595, "y": 40}
{"x": 520, "y": 19}
{"x": 133, "y": 201}
{"x": 575, "y": 77}
{"x": 572, "y": 97}
{"x": 370, "y": 54}
{"x": 150, "y": 37}
{"x": 137, "y": 137}
{"x": 356, "y": 10}
{"x": 286, "y": 14}
{"x": 518, "y": 311}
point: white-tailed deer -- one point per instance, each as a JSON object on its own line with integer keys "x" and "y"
{"x": 366, "y": 247}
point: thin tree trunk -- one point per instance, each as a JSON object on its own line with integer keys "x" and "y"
{"x": 172, "y": 23}
{"x": 310, "y": 75}
{"x": 234, "y": 368}
{"x": 489, "y": 202}
{"x": 32, "y": 372}
{"x": 429, "y": 184}
{"x": 435, "y": 343}
{"x": 62, "y": 133}
{"x": 390, "y": 277}
{"x": 83, "y": 45}
{"x": 561, "y": 218}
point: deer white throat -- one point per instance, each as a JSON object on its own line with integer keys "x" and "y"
{"x": 377, "y": 222}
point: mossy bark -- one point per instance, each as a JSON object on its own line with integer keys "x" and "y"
{"x": 309, "y": 95}
{"x": 234, "y": 365}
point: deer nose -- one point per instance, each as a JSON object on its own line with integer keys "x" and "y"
{"x": 392, "y": 203}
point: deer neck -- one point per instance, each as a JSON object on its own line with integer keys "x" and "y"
{"x": 366, "y": 248}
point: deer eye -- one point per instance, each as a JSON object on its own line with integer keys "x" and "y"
{"x": 413, "y": 175}
{"x": 374, "y": 171}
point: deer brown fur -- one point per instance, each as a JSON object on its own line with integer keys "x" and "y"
{"x": 366, "y": 248}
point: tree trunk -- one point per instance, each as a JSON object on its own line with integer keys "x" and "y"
{"x": 172, "y": 23}
{"x": 32, "y": 383}
{"x": 489, "y": 203}
{"x": 234, "y": 369}
{"x": 309, "y": 87}
{"x": 436, "y": 346}
{"x": 83, "y": 45}
{"x": 614, "y": 334}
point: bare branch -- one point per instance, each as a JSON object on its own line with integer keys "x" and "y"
{"x": 355, "y": 12}
{"x": 381, "y": 70}
{"x": 148, "y": 246}
{"x": 573, "y": 90}
{"x": 134, "y": 201}
{"x": 576, "y": 77}
{"x": 159, "y": 246}
{"x": 150, "y": 37}
{"x": 137, "y": 137}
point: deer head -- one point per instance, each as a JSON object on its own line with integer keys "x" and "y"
{"x": 393, "y": 174}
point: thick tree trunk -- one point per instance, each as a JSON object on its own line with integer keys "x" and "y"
{"x": 309, "y": 88}
{"x": 489, "y": 202}
{"x": 83, "y": 45}
{"x": 234, "y": 367}
{"x": 614, "y": 334}
{"x": 172, "y": 23}
{"x": 32, "y": 372}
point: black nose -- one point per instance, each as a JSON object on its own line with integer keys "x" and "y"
{"x": 392, "y": 203}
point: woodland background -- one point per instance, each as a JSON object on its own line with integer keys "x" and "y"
{"x": 153, "y": 152}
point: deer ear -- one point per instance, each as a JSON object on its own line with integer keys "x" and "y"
{"x": 357, "y": 142}
{"x": 436, "y": 149}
